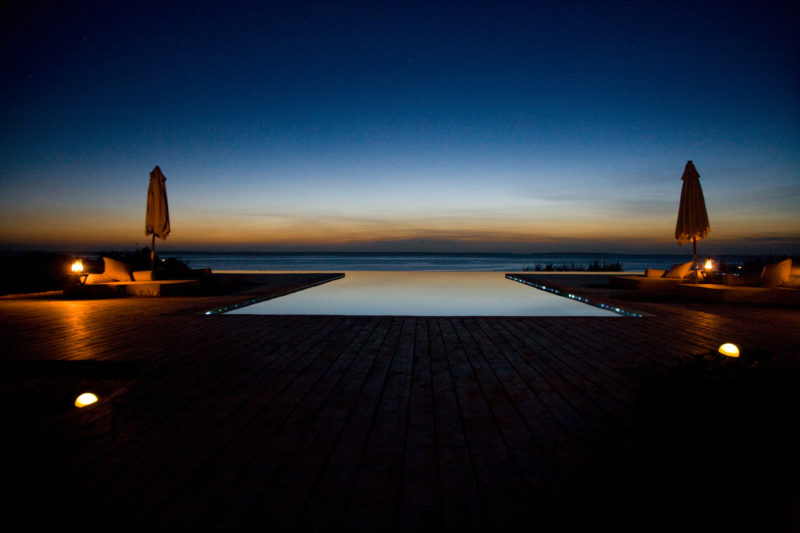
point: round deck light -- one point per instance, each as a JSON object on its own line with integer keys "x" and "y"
{"x": 729, "y": 350}
{"x": 87, "y": 398}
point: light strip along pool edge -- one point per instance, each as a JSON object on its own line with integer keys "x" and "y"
{"x": 251, "y": 301}
{"x": 559, "y": 292}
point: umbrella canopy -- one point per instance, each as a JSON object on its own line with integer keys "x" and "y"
{"x": 692, "y": 216}
{"x": 157, "y": 219}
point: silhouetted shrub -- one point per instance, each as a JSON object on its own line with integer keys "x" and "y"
{"x": 596, "y": 266}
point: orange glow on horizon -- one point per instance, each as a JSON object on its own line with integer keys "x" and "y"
{"x": 103, "y": 230}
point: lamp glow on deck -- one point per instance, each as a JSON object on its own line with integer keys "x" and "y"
{"x": 77, "y": 266}
{"x": 87, "y": 398}
{"x": 729, "y": 350}
{"x": 709, "y": 264}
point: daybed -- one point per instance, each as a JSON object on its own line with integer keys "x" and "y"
{"x": 779, "y": 284}
{"x": 116, "y": 280}
{"x": 655, "y": 280}
{"x": 117, "y": 271}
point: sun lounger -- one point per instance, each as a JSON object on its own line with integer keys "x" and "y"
{"x": 116, "y": 280}
{"x": 113, "y": 271}
{"x": 655, "y": 280}
{"x": 779, "y": 284}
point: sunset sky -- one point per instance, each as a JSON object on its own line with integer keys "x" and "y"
{"x": 400, "y": 126}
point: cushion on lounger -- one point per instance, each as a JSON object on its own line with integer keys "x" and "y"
{"x": 654, "y": 273}
{"x": 142, "y": 275}
{"x": 116, "y": 270}
{"x": 776, "y": 274}
{"x": 679, "y": 270}
{"x": 794, "y": 278}
{"x": 93, "y": 279}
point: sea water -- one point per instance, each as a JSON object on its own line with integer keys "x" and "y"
{"x": 426, "y": 261}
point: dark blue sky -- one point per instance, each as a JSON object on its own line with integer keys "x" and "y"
{"x": 400, "y": 125}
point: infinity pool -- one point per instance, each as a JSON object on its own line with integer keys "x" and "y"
{"x": 424, "y": 294}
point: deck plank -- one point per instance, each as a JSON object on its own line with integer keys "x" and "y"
{"x": 420, "y": 503}
{"x": 289, "y": 434}
{"x": 459, "y": 493}
{"x": 359, "y": 397}
{"x": 376, "y": 492}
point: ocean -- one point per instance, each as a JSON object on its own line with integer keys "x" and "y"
{"x": 431, "y": 261}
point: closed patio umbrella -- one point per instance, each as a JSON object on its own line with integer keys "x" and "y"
{"x": 157, "y": 220}
{"x": 692, "y": 216}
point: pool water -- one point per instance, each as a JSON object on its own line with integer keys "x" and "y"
{"x": 418, "y": 293}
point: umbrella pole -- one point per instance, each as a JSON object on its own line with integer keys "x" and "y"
{"x": 694, "y": 251}
{"x": 153, "y": 254}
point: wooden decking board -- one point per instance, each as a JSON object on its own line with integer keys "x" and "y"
{"x": 284, "y": 430}
{"x": 139, "y": 441}
{"x": 277, "y": 460}
{"x": 693, "y": 323}
{"x": 236, "y": 444}
{"x": 161, "y": 436}
{"x": 599, "y": 365}
{"x": 572, "y": 364}
{"x": 580, "y": 433}
{"x": 317, "y": 442}
{"x": 376, "y": 492}
{"x": 498, "y": 479}
{"x": 356, "y": 403}
{"x": 591, "y": 432}
{"x": 527, "y": 390}
{"x": 248, "y": 398}
{"x": 649, "y": 339}
{"x": 760, "y": 331}
{"x": 462, "y": 507}
{"x": 180, "y": 396}
{"x": 591, "y": 335}
{"x": 558, "y": 422}
{"x": 506, "y": 392}
{"x": 419, "y": 502}
{"x": 690, "y": 328}
{"x": 404, "y": 422}
{"x": 215, "y": 434}
{"x": 628, "y": 348}
{"x": 554, "y": 372}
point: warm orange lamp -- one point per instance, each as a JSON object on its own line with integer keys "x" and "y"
{"x": 87, "y": 398}
{"x": 729, "y": 350}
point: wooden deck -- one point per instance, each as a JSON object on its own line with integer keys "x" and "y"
{"x": 348, "y": 423}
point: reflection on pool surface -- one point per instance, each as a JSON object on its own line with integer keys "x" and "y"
{"x": 423, "y": 294}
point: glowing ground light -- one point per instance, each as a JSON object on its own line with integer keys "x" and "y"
{"x": 728, "y": 349}
{"x": 87, "y": 398}
{"x": 571, "y": 296}
{"x": 77, "y": 266}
